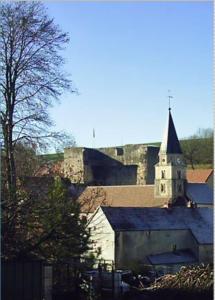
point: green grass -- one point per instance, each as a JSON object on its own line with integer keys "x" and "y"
{"x": 54, "y": 157}
{"x": 200, "y": 166}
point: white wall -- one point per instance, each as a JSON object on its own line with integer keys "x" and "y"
{"x": 135, "y": 246}
{"x": 127, "y": 248}
{"x": 102, "y": 236}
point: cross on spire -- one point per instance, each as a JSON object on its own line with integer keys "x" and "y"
{"x": 170, "y": 97}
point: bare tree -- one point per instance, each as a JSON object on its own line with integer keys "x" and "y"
{"x": 31, "y": 77}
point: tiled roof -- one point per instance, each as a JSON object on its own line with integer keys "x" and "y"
{"x": 120, "y": 196}
{"x": 198, "y": 175}
{"x": 198, "y": 220}
{"x": 137, "y": 196}
{"x": 200, "y": 193}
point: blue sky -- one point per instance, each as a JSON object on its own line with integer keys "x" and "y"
{"x": 123, "y": 58}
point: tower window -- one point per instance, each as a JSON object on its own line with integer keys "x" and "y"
{"x": 163, "y": 174}
{"x": 119, "y": 151}
{"x": 179, "y": 174}
{"x": 163, "y": 188}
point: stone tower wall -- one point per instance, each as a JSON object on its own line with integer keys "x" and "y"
{"x": 74, "y": 164}
{"x": 127, "y": 165}
{"x": 170, "y": 165}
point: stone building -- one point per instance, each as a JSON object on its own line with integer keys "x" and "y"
{"x": 156, "y": 224}
{"x": 126, "y": 165}
{"x": 170, "y": 184}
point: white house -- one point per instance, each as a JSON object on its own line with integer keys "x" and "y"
{"x": 162, "y": 237}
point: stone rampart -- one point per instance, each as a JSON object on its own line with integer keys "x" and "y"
{"x": 126, "y": 165}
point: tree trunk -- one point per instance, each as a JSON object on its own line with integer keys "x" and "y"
{"x": 9, "y": 161}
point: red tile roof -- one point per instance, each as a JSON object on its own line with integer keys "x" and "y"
{"x": 119, "y": 196}
{"x": 198, "y": 175}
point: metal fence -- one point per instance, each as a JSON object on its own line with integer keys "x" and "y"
{"x": 83, "y": 278}
{"x": 22, "y": 280}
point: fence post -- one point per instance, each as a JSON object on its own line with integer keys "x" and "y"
{"x": 91, "y": 287}
{"x": 113, "y": 281}
{"x": 68, "y": 277}
{"x": 100, "y": 278}
{"x": 48, "y": 282}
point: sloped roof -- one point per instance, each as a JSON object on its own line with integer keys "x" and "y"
{"x": 120, "y": 196}
{"x": 180, "y": 256}
{"x": 170, "y": 143}
{"x": 200, "y": 193}
{"x": 137, "y": 196}
{"x": 198, "y": 220}
{"x": 198, "y": 175}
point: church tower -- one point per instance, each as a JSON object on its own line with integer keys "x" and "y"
{"x": 170, "y": 171}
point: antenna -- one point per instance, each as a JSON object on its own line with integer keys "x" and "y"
{"x": 170, "y": 97}
{"x": 94, "y": 136}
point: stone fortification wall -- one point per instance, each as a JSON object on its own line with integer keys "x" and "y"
{"x": 127, "y": 165}
{"x": 152, "y": 159}
{"x": 74, "y": 164}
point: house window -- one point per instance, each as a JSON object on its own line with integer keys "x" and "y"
{"x": 163, "y": 174}
{"x": 179, "y": 174}
{"x": 163, "y": 188}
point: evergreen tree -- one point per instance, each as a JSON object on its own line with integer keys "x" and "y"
{"x": 49, "y": 228}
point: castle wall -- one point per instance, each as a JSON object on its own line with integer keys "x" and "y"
{"x": 74, "y": 164}
{"x": 127, "y": 165}
{"x": 152, "y": 159}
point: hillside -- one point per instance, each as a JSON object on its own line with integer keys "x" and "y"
{"x": 198, "y": 153}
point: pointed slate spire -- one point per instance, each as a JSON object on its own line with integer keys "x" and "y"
{"x": 170, "y": 143}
